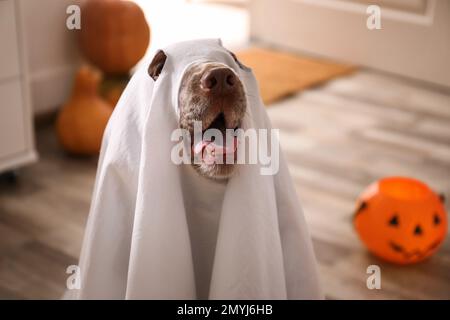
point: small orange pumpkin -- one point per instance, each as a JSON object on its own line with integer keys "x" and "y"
{"x": 82, "y": 120}
{"x": 112, "y": 88}
{"x": 114, "y": 34}
{"x": 401, "y": 220}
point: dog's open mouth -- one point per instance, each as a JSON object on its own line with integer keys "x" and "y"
{"x": 217, "y": 146}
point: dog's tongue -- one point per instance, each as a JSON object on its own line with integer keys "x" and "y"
{"x": 210, "y": 150}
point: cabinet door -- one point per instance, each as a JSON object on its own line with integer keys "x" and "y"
{"x": 9, "y": 62}
{"x": 414, "y": 39}
{"x": 12, "y": 131}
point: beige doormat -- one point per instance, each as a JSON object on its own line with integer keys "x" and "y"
{"x": 281, "y": 74}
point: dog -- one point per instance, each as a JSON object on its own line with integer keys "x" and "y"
{"x": 164, "y": 228}
{"x": 212, "y": 93}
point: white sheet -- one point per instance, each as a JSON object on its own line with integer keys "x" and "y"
{"x": 138, "y": 244}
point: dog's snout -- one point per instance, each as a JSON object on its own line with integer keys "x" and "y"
{"x": 218, "y": 80}
{"x": 211, "y": 92}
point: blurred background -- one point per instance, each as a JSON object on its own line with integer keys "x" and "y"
{"x": 359, "y": 93}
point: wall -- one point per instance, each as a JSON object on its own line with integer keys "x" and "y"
{"x": 51, "y": 52}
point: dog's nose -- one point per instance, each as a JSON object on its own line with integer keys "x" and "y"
{"x": 218, "y": 80}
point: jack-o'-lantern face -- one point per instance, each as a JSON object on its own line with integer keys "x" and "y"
{"x": 401, "y": 220}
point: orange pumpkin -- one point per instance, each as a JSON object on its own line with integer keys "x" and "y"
{"x": 82, "y": 120}
{"x": 401, "y": 220}
{"x": 113, "y": 95}
{"x": 114, "y": 34}
{"x": 112, "y": 88}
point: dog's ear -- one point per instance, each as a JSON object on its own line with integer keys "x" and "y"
{"x": 239, "y": 63}
{"x": 157, "y": 64}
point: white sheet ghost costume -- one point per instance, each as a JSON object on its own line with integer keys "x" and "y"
{"x": 158, "y": 230}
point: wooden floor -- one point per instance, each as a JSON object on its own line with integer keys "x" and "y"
{"x": 337, "y": 138}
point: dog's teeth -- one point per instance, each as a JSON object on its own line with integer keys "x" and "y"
{"x": 210, "y": 150}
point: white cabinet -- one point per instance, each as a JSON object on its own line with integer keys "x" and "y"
{"x": 16, "y": 125}
{"x": 9, "y": 62}
{"x": 12, "y": 131}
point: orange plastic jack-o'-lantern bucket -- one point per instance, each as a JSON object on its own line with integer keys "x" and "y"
{"x": 401, "y": 220}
